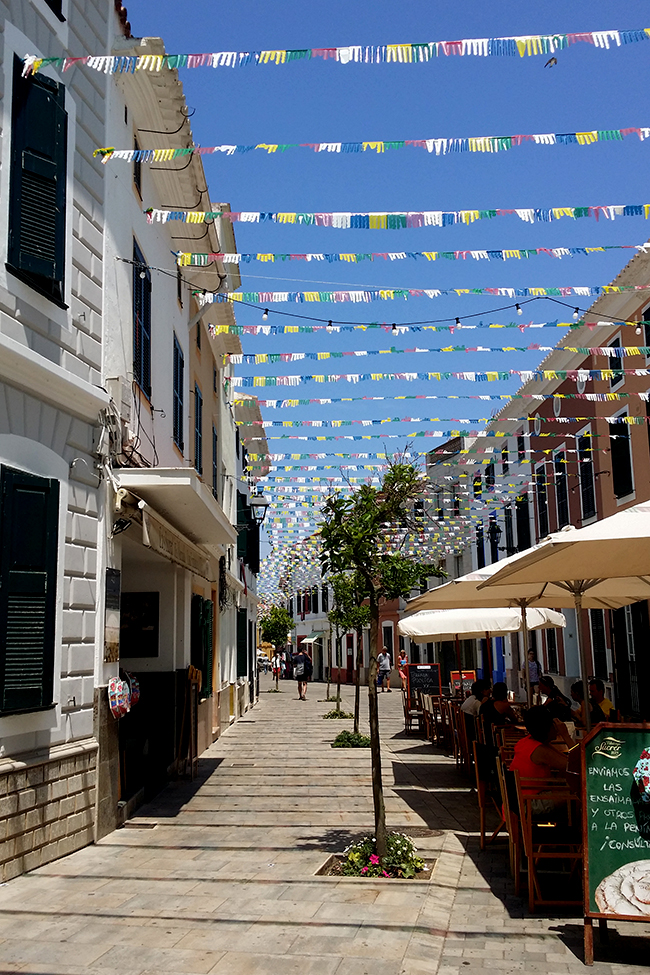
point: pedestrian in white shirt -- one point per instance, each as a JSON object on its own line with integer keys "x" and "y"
{"x": 385, "y": 667}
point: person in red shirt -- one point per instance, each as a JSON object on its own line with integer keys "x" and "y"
{"x": 536, "y": 757}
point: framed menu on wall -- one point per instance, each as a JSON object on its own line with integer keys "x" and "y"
{"x": 616, "y": 826}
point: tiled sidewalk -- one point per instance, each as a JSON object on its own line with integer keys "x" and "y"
{"x": 225, "y": 883}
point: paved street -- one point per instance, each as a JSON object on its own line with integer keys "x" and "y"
{"x": 224, "y": 881}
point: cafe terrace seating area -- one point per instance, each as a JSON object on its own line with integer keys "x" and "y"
{"x": 544, "y": 847}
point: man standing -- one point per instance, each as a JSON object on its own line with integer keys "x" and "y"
{"x": 302, "y": 671}
{"x": 385, "y": 667}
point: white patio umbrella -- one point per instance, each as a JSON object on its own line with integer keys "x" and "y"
{"x": 605, "y": 565}
{"x": 470, "y": 624}
{"x": 472, "y": 590}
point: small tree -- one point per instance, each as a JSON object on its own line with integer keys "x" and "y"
{"x": 275, "y": 627}
{"x": 350, "y": 614}
{"x": 362, "y": 533}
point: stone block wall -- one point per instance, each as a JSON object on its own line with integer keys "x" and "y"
{"x": 47, "y": 807}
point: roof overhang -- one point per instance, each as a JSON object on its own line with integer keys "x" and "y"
{"x": 181, "y": 497}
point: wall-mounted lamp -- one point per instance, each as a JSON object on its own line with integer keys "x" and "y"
{"x": 259, "y": 506}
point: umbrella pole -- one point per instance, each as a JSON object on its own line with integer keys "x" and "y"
{"x": 488, "y": 648}
{"x": 584, "y": 661}
{"x": 524, "y": 630}
{"x": 460, "y": 664}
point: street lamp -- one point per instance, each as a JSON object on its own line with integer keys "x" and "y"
{"x": 258, "y": 506}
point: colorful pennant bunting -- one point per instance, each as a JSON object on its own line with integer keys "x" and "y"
{"x": 412, "y": 53}
{"x": 347, "y": 220}
{"x": 436, "y": 146}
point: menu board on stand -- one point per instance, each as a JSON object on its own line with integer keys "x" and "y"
{"x": 616, "y": 827}
{"x": 424, "y": 678}
{"x": 462, "y": 685}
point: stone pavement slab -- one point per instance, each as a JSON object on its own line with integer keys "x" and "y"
{"x": 225, "y": 881}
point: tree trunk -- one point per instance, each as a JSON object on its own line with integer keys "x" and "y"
{"x": 357, "y": 682}
{"x": 339, "y": 641}
{"x": 375, "y": 747}
{"x": 329, "y": 667}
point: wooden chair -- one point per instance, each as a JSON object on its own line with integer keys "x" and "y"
{"x": 558, "y": 840}
{"x": 483, "y": 769}
{"x": 466, "y": 733}
{"x": 412, "y": 715}
{"x": 505, "y": 779}
{"x": 437, "y": 721}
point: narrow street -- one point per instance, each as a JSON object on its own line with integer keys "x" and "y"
{"x": 217, "y": 875}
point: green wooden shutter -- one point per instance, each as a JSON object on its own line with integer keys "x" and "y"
{"x": 28, "y": 561}
{"x": 242, "y": 643}
{"x": 38, "y": 181}
{"x": 242, "y": 526}
{"x": 201, "y": 640}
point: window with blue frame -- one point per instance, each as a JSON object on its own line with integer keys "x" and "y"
{"x": 179, "y": 375}
{"x": 198, "y": 430}
{"x": 141, "y": 321}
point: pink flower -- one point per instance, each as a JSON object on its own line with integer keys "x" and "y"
{"x": 374, "y": 859}
{"x": 385, "y": 873}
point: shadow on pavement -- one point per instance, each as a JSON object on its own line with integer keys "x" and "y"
{"x": 178, "y": 793}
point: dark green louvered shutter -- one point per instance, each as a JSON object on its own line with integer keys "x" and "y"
{"x": 38, "y": 181}
{"x": 28, "y": 560}
{"x": 201, "y": 640}
{"x": 242, "y": 643}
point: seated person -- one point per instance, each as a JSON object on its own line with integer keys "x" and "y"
{"x": 578, "y": 695}
{"x": 536, "y": 757}
{"x": 480, "y": 693}
{"x": 496, "y": 710}
{"x": 558, "y": 705}
{"x": 597, "y": 696}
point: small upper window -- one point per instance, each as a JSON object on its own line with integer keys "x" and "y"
{"x": 618, "y": 372}
{"x": 141, "y": 321}
{"x": 137, "y": 169}
{"x": 56, "y": 6}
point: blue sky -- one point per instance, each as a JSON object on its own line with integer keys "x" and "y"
{"x": 318, "y": 101}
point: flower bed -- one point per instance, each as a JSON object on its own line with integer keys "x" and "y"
{"x": 401, "y": 862}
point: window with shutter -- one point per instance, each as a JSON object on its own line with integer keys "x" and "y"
{"x": 36, "y": 245}
{"x": 198, "y": 430}
{"x": 179, "y": 368}
{"x": 29, "y": 513}
{"x": 242, "y": 643}
{"x": 141, "y": 321}
{"x": 619, "y": 438}
{"x": 201, "y": 640}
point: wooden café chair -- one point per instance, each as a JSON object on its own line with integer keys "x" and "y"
{"x": 507, "y": 790}
{"x": 412, "y": 715}
{"x": 483, "y": 770}
{"x": 557, "y": 839}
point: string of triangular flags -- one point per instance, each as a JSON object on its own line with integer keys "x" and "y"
{"x": 190, "y": 259}
{"x": 401, "y": 329}
{"x": 411, "y": 53}
{"x": 482, "y": 432}
{"x": 327, "y": 401}
{"x": 436, "y": 146}
{"x": 578, "y": 375}
{"x": 399, "y": 220}
{"x": 257, "y": 358}
{"x": 390, "y": 294}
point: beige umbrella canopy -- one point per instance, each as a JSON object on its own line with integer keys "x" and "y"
{"x": 605, "y": 565}
{"x": 469, "y": 624}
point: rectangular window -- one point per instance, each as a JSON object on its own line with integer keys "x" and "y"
{"x": 314, "y": 599}
{"x": 215, "y": 468}
{"x": 324, "y": 599}
{"x": 551, "y": 651}
{"x": 599, "y": 643}
{"x": 198, "y": 336}
{"x": 561, "y": 489}
{"x": 29, "y": 519}
{"x": 242, "y": 643}
{"x": 141, "y": 321}
{"x": 478, "y": 485}
{"x": 645, "y": 321}
{"x": 440, "y": 505}
{"x": 37, "y": 194}
{"x": 494, "y": 534}
{"x": 139, "y": 624}
{"x": 490, "y": 479}
{"x": 480, "y": 547}
{"x": 505, "y": 459}
{"x": 616, "y": 365}
{"x": 214, "y": 379}
{"x": 201, "y": 624}
{"x": 198, "y": 430}
{"x": 137, "y": 170}
{"x": 387, "y": 635}
{"x": 619, "y": 439}
{"x": 56, "y": 6}
{"x": 521, "y": 449}
{"x": 586, "y": 472}
{"x": 510, "y": 539}
{"x": 523, "y": 522}
{"x": 237, "y": 441}
{"x": 542, "y": 500}
{"x": 178, "y": 393}
{"x": 456, "y": 502}
{"x": 179, "y": 286}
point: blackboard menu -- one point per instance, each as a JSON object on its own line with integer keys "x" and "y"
{"x": 424, "y": 678}
{"x": 616, "y": 821}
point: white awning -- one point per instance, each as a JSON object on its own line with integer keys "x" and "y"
{"x": 182, "y": 498}
{"x": 313, "y": 637}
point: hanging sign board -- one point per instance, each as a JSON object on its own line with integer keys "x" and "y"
{"x": 616, "y": 825}
{"x": 468, "y": 678}
{"x": 424, "y": 678}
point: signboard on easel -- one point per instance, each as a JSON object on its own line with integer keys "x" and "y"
{"x": 465, "y": 682}
{"x": 616, "y": 826}
{"x": 424, "y": 678}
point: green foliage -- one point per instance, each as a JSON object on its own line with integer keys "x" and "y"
{"x": 401, "y": 860}
{"x": 276, "y": 625}
{"x": 351, "y": 739}
{"x": 336, "y": 713}
{"x": 348, "y": 613}
{"x": 362, "y": 534}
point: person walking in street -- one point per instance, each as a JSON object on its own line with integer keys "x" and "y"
{"x": 302, "y": 671}
{"x": 385, "y": 667}
{"x": 275, "y": 665}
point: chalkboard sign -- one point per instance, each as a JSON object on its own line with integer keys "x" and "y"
{"x": 424, "y": 678}
{"x": 469, "y": 676}
{"x": 616, "y": 821}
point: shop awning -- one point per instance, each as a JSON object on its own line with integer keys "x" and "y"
{"x": 314, "y": 637}
{"x": 181, "y": 497}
